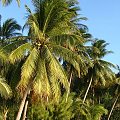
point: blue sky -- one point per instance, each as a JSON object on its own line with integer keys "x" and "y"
{"x": 103, "y": 21}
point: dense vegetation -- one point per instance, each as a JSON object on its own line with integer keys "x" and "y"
{"x": 52, "y": 74}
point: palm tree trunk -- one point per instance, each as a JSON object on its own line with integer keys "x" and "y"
{"x": 25, "y": 110}
{"x": 70, "y": 80}
{"x": 113, "y": 107}
{"x": 87, "y": 90}
{"x": 98, "y": 99}
{"x": 93, "y": 95}
{"x": 5, "y": 114}
{"x": 22, "y": 105}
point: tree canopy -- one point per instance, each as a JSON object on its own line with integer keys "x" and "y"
{"x": 51, "y": 73}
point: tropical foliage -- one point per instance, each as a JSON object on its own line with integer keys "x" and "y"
{"x": 51, "y": 73}
{"x": 7, "y": 2}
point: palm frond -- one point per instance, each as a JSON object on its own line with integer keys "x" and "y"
{"x": 55, "y": 73}
{"x": 118, "y": 81}
{"x": 69, "y": 56}
{"x": 9, "y": 28}
{"x": 5, "y": 89}
{"x": 41, "y": 85}
{"x": 28, "y": 69}
{"x": 20, "y": 52}
{"x": 33, "y": 24}
{"x": 81, "y": 110}
{"x": 107, "y": 64}
{"x": 97, "y": 111}
{"x": 13, "y": 43}
{"x": 7, "y": 2}
{"x": 54, "y": 16}
{"x": 100, "y": 46}
{"x": 3, "y": 56}
{"x": 17, "y": 38}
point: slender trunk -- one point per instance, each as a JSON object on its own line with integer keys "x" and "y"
{"x": 87, "y": 90}
{"x": 70, "y": 80}
{"x": 113, "y": 106}
{"x": 5, "y": 114}
{"x": 99, "y": 99}
{"x": 22, "y": 105}
{"x": 25, "y": 110}
{"x": 93, "y": 94}
{"x": 47, "y": 99}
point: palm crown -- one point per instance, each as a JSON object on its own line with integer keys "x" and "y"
{"x": 100, "y": 72}
{"x": 41, "y": 70}
{"x": 9, "y": 28}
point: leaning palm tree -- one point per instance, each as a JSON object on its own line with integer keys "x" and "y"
{"x": 41, "y": 72}
{"x": 100, "y": 72}
{"x": 7, "y": 2}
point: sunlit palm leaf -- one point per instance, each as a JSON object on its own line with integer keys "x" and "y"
{"x": 33, "y": 24}
{"x": 14, "y": 43}
{"x": 28, "y": 69}
{"x": 55, "y": 73}
{"x": 5, "y": 89}
{"x": 20, "y": 52}
{"x": 69, "y": 56}
{"x": 97, "y": 111}
{"x": 3, "y": 56}
{"x": 41, "y": 85}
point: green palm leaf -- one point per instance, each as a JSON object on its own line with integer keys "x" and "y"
{"x": 13, "y": 44}
{"x": 9, "y": 28}
{"x": 20, "y": 52}
{"x": 5, "y": 90}
{"x": 3, "y": 56}
{"x": 33, "y": 24}
{"x": 7, "y": 2}
{"x": 28, "y": 69}
{"x": 69, "y": 56}
{"x": 41, "y": 85}
{"x": 97, "y": 111}
{"x": 55, "y": 73}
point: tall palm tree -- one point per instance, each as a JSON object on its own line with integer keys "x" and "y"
{"x": 41, "y": 72}
{"x": 7, "y": 2}
{"x": 100, "y": 72}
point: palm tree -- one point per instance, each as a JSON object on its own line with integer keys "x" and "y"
{"x": 100, "y": 71}
{"x": 41, "y": 71}
{"x": 9, "y": 29}
{"x": 116, "y": 97}
{"x": 7, "y": 2}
